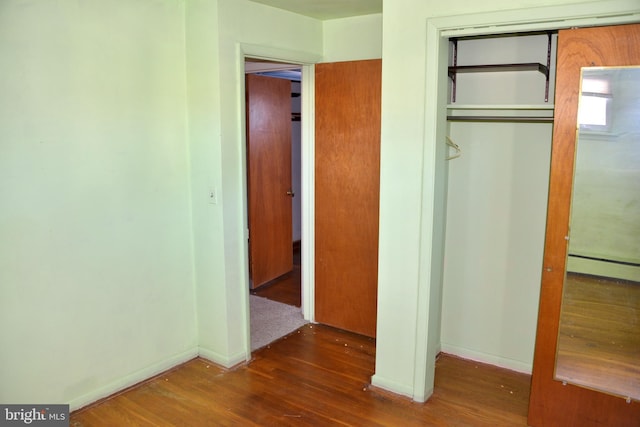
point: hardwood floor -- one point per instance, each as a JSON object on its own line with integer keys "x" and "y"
{"x": 284, "y": 289}
{"x": 599, "y": 340}
{"x": 317, "y": 376}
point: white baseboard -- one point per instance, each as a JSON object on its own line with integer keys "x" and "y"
{"x": 133, "y": 379}
{"x": 603, "y": 268}
{"x": 392, "y": 386}
{"x": 502, "y": 362}
{"x": 221, "y": 360}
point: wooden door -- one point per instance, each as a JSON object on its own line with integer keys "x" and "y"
{"x": 347, "y": 175}
{"x": 552, "y": 403}
{"x": 269, "y": 177}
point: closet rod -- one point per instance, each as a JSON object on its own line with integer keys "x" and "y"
{"x": 518, "y": 119}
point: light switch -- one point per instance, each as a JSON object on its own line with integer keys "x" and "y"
{"x": 213, "y": 196}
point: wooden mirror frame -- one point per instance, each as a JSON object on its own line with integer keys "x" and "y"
{"x": 553, "y": 403}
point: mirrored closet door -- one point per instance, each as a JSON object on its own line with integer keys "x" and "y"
{"x": 587, "y": 359}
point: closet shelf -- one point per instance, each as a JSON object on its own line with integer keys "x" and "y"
{"x": 492, "y": 119}
{"x": 517, "y": 113}
{"x": 456, "y": 69}
{"x": 489, "y": 68}
{"x": 500, "y": 106}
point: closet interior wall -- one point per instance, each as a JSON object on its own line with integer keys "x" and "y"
{"x": 496, "y": 204}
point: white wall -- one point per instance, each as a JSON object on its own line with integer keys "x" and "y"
{"x": 352, "y": 39}
{"x": 203, "y": 78}
{"x": 494, "y": 242}
{"x": 96, "y": 281}
{"x": 605, "y": 215}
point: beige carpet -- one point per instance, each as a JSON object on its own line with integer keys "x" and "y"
{"x": 271, "y": 320}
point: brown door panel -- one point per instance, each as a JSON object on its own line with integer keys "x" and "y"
{"x": 347, "y": 176}
{"x": 269, "y": 177}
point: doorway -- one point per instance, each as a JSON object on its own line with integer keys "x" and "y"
{"x": 344, "y": 164}
{"x": 273, "y": 96}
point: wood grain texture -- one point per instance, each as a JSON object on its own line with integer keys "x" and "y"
{"x": 347, "y": 175}
{"x": 553, "y": 404}
{"x": 317, "y": 376}
{"x": 269, "y": 177}
{"x": 599, "y": 343}
{"x": 287, "y": 288}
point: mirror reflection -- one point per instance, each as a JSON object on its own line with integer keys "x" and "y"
{"x": 599, "y": 332}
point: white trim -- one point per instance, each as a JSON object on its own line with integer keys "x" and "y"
{"x": 270, "y": 53}
{"x": 425, "y": 353}
{"x": 603, "y": 268}
{"x": 308, "y": 255}
{"x": 132, "y": 379}
{"x": 491, "y": 359}
{"x": 306, "y": 61}
{"x": 500, "y": 107}
{"x": 539, "y": 18}
{"x": 391, "y": 385}
{"x": 258, "y": 67}
{"x": 225, "y": 361}
{"x": 242, "y": 51}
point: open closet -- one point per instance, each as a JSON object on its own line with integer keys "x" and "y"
{"x": 500, "y": 119}
{"x": 518, "y": 257}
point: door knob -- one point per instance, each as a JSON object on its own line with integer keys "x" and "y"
{"x": 290, "y": 193}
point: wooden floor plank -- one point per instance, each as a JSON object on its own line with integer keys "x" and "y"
{"x": 316, "y": 376}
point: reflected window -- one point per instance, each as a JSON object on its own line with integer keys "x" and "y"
{"x": 594, "y": 110}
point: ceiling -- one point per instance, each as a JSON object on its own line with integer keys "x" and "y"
{"x": 327, "y": 9}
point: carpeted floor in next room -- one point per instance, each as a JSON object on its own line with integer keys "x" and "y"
{"x": 271, "y": 320}
{"x": 275, "y": 306}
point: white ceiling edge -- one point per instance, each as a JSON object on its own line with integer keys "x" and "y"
{"x": 327, "y": 9}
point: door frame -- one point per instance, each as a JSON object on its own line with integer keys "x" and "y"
{"x": 438, "y": 32}
{"x": 307, "y": 141}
